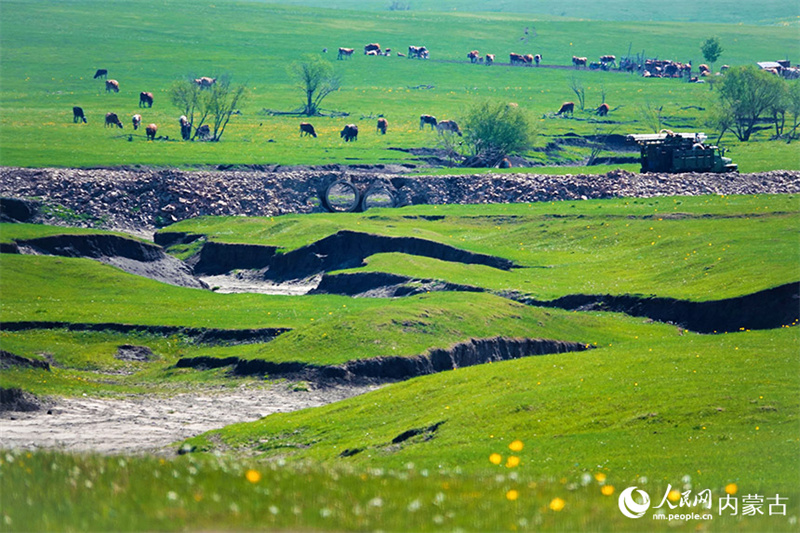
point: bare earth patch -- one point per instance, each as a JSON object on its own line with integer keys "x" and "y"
{"x": 149, "y": 424}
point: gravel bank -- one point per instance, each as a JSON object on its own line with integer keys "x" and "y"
{"x": 140, "y": 201}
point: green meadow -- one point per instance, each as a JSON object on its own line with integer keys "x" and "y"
{"x": 649, "y": 405}
{"x": 51, "y": 51}
{"x": 544, "y": 443}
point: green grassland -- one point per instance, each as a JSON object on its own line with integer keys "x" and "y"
{"x": 50, "y": 52}
{"x": 649, "y": 402}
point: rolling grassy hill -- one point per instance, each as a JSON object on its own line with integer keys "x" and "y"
{"x": 649, "y": 405}
{"x": 50, "y": 53}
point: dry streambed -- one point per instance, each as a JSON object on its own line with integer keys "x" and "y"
{"x": 140, "y": 424}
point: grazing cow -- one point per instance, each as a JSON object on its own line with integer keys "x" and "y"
{"x": 602, "y": 110}
{"x": 349, "y": 133}
{"x": 704, "y": 70}
{"x": 528, "y": 58}
{"x": 382, "y": 125}
{"x": 609, "y": 60}
{"x": 516, "y": 59}
{"x": 489, "y": 59}
{"x": 427, "y": 119}
{"x": 537, "y": 59}
{"x": 448, "y": 125}
{"x": 420, "y": 52}
{"x": 203, "y": 132}
{"x": 579, "y": 61}
{"x": 186, "y": 127}
{"x": 151, "y": 131}
{"x": 566, "y": 108}
{"x": 372, "y": 47}
{"x": 594, "y": 65}
{"x": 724, "y": 68}
{"x": 101, "y": 73}
{"x": 473, "y": 56}
{"x": 205, "y": 82}
{"x": 77, "y": 115}
{"x": 137, "y": 121}
{"x": 112, "y": 120}
{"x": 112, "y": 85}
{"x": 145, "y": 99}
{"x": 505, "y": 163}
{"x": 345, "y": 53}
{"x": 307, "y": 129}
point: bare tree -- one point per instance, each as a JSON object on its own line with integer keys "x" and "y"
{"x": 577, "y": 87}
{"x": 317, "y": 79}
{"x": 652, "y": 116}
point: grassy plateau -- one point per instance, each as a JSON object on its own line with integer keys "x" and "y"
{"x": 546, "y": 443}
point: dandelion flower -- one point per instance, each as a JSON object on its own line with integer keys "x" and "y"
{"x": 512, "y": 495}
{"x": 516, "y": 446}
{"x": 557, "y": 504}
{"x": 512, "y": 461}
{"x": 607, "y": 490}
{"x": 253, "y": 476}
{"x": 600, "y": 477}
{"x": 731, "y": 488}
{"x": 495, "y": 458}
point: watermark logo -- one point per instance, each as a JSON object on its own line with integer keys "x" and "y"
{"x": 630, "y": 507}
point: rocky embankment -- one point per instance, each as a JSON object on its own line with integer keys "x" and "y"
{"x": 144, "y": 200}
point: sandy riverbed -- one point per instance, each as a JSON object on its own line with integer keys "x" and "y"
{"x": 139, "y": 424}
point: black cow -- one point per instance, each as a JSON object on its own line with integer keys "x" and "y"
{"x": 77, "y": 115}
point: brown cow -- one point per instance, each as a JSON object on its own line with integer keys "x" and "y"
{"x": 77, "y": 115}
{"x": 602, "y": 110}
{"x": 566, "y": 108}
{"x": 349, "y": 133}
{"x": 205, "y": 82}
{"x": 112, "y": 120}
{"x": 608, "y": 59}
{"x": 307, "y": 129}
{"x": 516, "y": 59}
{"x": 151, "y": 131}
{"x": 101, "y": 73}
{"x": 137, "y": 121}
{"x": 145, "y": 99}
{"x": 528, "y": 59}
{"x": 382, "y": 125}
{"x": 489, "y": 59}
{"x": 345, "y": 53}
{"x": 473, "y": 56}
{"x": 448, "y": 125}
{"x": 112, "y": 85}
{"x": 505, "y": 163}
{"x": 579, "y": 61}
{"x": 372, "y": 47}
{"x": 427, "y": 119}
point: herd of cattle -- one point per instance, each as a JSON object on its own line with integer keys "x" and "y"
{"x": 649, "y": 68}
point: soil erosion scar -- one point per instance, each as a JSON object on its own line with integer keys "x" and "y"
{"x": 132, "y": 256}
{"x": 392, "y": 368}
{"x": 348, "y": 249}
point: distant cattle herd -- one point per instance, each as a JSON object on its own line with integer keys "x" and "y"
{"x": 647, "y": 68}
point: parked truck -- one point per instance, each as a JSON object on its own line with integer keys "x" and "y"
{"x": 681, "y": 152}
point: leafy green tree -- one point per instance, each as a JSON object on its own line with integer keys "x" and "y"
{"x": 745, "y": 95}
{"x": 494, "y": 130}
{"x": 317, "y": 79}
{"x": 711, "y": 49}
{"x": 212, "y": 106}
